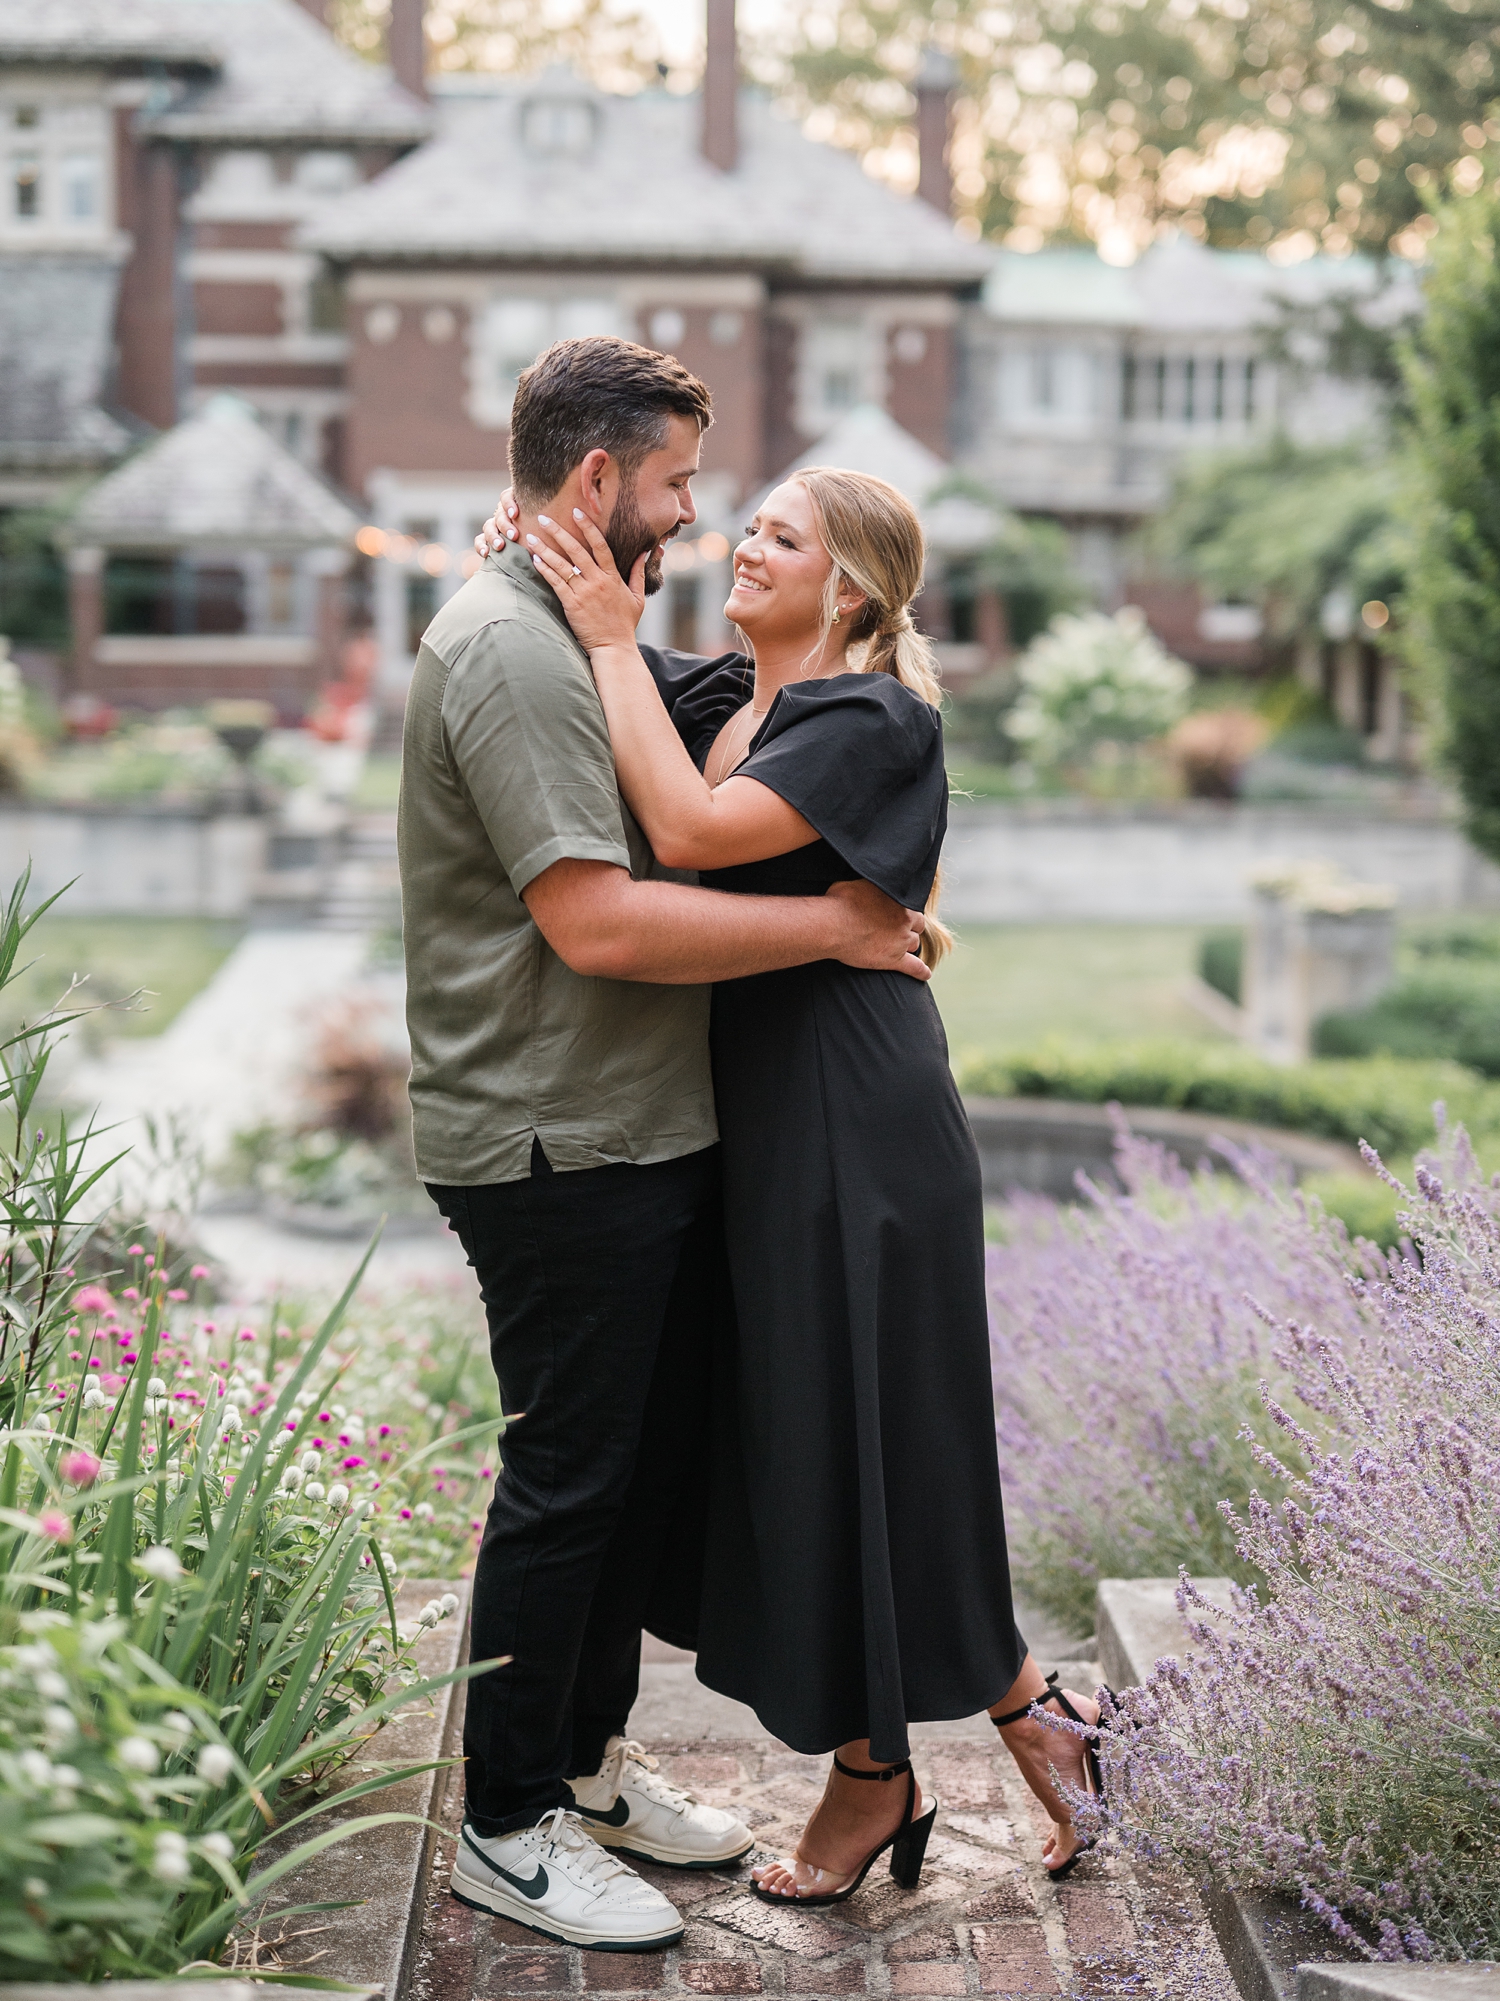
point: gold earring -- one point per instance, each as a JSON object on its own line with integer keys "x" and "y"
{"x": 836, "y": 614}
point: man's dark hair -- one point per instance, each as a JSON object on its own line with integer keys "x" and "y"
{"x": 590, "y": 395}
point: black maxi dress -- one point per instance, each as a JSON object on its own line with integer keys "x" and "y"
{"x": 856, "y": 1577}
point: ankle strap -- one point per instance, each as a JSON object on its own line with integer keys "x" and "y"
{"x": 1052, "y": 1692}
{"x": 886, "y": 1771}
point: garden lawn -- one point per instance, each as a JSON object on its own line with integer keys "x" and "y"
{"x": 379, "y": 784}
{"x": 1010, "y": 986}
{"x": 173, "y": 958}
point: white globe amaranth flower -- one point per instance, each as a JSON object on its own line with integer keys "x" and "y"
{"x": 424, "y": 1511}
{"x": 35, "y": 1767}
{"x": 215, "y": 1763}
{"x": 338, "y": 1495}
{"x": 34, "y": 1889}
{"x": 314, "y": 1490}
{"x": 430, "y": 1613}
{"x": 218, "y": 1844}
{"x": 156, "y": 1387}
{"x": 291, "y": 1479}
{"x": 93, "y": 1397}
{"x": 178, "y": 1722}
{"x": 1090, "y": 680}
{"x": 160, "y": 1562}
{"x": 170, "y": 1862}
{"x": 51, "y": 1684}
{"x": 229, "y": 1419}
{"x": 310, "y": 1462}
{"x": 59, "y": 1725}
{"x": 137, "y": 1754}
{"x": 448, "y": 1604}
{"x": 364, "y": 1508}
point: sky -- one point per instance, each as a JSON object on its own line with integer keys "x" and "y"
{"x": 680, "y": 23}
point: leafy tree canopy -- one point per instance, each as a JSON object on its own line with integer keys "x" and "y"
{"x": 1285, "y": 525}
{"x": 1294, "y": 125}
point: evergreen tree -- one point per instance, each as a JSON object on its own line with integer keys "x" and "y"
{"x": 1451, "y": 611}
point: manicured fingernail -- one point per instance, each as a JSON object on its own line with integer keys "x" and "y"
{"x": 546, "y": 521}
{"x": 533, "y": 542}
{"x": 577, "y": 513}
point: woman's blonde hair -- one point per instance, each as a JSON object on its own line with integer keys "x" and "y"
{"x": 875, "y": 541}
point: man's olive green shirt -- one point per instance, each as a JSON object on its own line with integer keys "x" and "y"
{"x": 506, "y": 769}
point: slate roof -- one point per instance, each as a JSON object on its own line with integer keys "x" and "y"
{"x": 56, "y": 315}
{"x": 217, "y": 480}
{"x": 1178, "y": 285}
{"x": 486, "y": 190}
{"x": 240, "y": 70}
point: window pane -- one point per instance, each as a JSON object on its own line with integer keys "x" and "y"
{"x": 26, "y": 179}
{"x": 80, "y": 183}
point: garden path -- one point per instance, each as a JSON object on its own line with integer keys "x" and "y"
{"x": 229, "y": 1061}
{"x": 986, "y": 1920}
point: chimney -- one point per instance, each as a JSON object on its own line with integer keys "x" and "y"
{"x": 406, "y": 45}
{"x": 936, "y": 82}
{"x": 317, "y": 8}
{"x": 721, "y": 80}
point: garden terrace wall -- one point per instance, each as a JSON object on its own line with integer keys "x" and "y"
{"x": 1041, "y": 1144}
{"x": 146, "y": 859}
{"x": 1062, "y": 860}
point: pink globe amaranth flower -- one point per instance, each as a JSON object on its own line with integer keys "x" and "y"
{"x": 150, "y": 1258}
{"x": 177, "y": 1293}
{"x": 130, "y": 1292}
{"x": 385, "y": 1431}
{"x": 114, "y": 1384}
{"x": 92, "y": 1299}
{"x": 198, "y": 1271}
{"x": 351, "y": 1462}
{"x": 128, "y": 1356}
{"x": 247, "y": 1333}
{"x": 55, "y": 1525}
{"x": 136, "y": 1251}
{"x": 80, "y": 1468}
{"x": 406, "y": 1514}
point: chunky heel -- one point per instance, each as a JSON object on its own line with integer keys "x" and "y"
{"x": 910, "y": 1851}
{"x": 908, "y": 1845}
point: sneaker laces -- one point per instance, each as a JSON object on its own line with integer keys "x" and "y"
{"x": 656, "y": 1788}
{"x": 562, "y": 1832}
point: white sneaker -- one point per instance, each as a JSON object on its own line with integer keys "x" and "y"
{"x": 555, "y": 1880}
{"x": 627, "y": 1806}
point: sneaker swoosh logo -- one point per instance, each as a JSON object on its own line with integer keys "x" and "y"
{"x": 532, "y": 1886}
{"x": 615, "y": 1816}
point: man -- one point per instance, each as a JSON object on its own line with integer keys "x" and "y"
{"x": 563, "y": 1117}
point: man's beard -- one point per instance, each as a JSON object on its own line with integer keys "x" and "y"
{"x": 629, "y": 538}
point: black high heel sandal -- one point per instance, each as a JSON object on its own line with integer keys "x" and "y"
{"x": 908, "y": 1845}
{"x": 1092, "y": 1767}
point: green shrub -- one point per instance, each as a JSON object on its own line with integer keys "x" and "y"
{"x": 1444, "y": 1007}
{"x": 1382, "y": 1100}
{"x": 1221, "y": 956}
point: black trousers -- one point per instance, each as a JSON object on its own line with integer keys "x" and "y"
{"x": 600, "y": 1288}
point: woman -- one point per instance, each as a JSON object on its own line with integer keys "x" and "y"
{"x": 857, "y": 1577}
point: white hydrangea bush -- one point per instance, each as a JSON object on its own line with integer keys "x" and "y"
{"x": 1092, "y": 680}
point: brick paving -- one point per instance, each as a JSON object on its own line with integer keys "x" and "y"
{"x": 986, "y": 1920}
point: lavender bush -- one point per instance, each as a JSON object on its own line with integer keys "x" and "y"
{"x": 1128, "y": 1364}
{"x": 1338, "y": 1735}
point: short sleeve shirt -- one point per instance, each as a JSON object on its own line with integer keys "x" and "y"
{"x": 506, "y": 769}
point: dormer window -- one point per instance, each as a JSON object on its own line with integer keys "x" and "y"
{"x": 558, "y": 126}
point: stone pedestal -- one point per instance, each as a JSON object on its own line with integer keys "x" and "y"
{"x": 1305, "y": 959}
